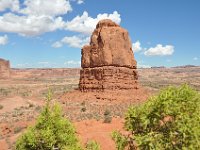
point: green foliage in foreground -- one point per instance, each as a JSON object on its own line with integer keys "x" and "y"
{"x": 51, "y": 131}
{"x": 120, "y": 140}
{"x": 170, "y": 120}
{"x": 92, "y": 145}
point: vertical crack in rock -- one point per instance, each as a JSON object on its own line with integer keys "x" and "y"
{"x": 108, "y": 62}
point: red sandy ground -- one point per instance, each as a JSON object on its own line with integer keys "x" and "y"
{"x": 99, "y": 131}
{"x": 86, "y": 129}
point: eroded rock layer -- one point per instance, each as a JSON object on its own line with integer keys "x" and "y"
{"x": 107, "y": 78}
{"x": 4, "y": 69}
{"x": 108, "y": 62}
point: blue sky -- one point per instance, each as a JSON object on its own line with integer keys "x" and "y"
{"x": 46, "y": 33}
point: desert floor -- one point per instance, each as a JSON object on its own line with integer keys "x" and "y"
{"x": 22, "y": 98}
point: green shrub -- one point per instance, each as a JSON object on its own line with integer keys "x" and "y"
{"x": 51, "y": 131}
{"x": 120, "y": 140}
{"x": 92, "y": 145}
{"x": 168, "y": 121}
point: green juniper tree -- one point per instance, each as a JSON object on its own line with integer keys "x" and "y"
{"x": 168, "y": 121}
{"x": 51, "y": 131}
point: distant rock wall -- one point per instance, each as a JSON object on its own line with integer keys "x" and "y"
{"x": 4, "y": 69}
{"x": 43, "y": 73}
{"x": 108, "y": 62}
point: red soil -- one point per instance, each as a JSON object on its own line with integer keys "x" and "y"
{"x": 100, "y": 132}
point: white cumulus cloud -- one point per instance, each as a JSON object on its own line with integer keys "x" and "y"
{"x": 36, "y": 17}
{"x": 160, "y": 50}
{"x": 3, "y": 40}
{"x": 80, "y": 2}
{"x": 86, "y": 24}
{"x": 29, "y": 25}
{"x": 13, "y": 5}
{"x": 72, "y": 41}
{"x": 136, "y": 47}
{"x": 46, "y": 7}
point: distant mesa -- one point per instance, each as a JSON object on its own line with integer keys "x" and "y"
{"x": 4, "y": 69}
{"x": 108, "y": 61}
{"x": 185, "y": 66}
{"x": 158, "y": 67}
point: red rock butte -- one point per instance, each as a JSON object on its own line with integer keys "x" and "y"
{"x": 4, "y": 69}
{"x": 108, "y": 62}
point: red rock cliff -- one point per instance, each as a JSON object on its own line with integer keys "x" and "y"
{"x": 4, "y": 69}
{"x": 108, "y": 62}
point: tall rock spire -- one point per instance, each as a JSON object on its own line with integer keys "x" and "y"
{"x": 108, "y": 62}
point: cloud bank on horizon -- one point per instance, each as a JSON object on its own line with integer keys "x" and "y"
{"x": 34, "y": 18}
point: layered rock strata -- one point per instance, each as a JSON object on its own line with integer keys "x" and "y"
{"x": 108, "y": 62}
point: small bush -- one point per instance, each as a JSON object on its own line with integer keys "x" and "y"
{"x": 83, "y": 103}
{"x": 107, "y": 116}
{"x": 5, "y": 92}
{"x": 92, "y": 145}
{"x": 1, "y": 107}
{"x": 83, "y": 109}
{"x": 38, "y": 108}
{"x": 31, "y": 105}
{"x": 51, "y": 131}
{"x": 120, "y": 140}
{"x": 107, "y": 112}
{"x": 17, "y": 129}
{"x": 168, "y": 121}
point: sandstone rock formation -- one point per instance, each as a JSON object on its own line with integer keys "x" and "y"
{"x": 108, "y": 62}
{"x": 4, "y": 69}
